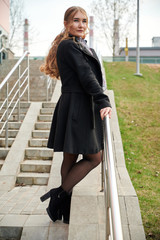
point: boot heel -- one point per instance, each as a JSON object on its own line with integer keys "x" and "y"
{"x": 45, "y": 196}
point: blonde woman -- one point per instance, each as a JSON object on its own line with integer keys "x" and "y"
{"x": 77, "y": 122}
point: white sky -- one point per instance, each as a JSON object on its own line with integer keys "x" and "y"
{"x": 46, "y": 18}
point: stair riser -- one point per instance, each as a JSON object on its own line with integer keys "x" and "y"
{"x": 38, "y": 154}
{"x": 2, "y": 142}
{"x": 11, "y": 134}
{"x": 35, "y": 168}
{"x": 14, "y": 118}
{"x": 22, "y": 110}
{"x": 42, "y": 135}
{"x": 48, "y": 105}
{"x": 42, "y": 126}
{"x": 45, "y": 118}
{"x": 38, "y": 143}
{"x": 46, "y": 111}
{"x": 32, "y": 180}
{"x": 3, "y": 153}
{"x": 12, "y": 125}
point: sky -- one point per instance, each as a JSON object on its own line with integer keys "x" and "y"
{"x": 46, "y": 21}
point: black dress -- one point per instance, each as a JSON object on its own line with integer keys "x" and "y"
{"x": 76, "y": 125}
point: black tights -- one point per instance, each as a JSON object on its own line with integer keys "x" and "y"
{"x": 73, "y": 172}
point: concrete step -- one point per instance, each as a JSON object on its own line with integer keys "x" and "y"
{"x": 2, "y": 142}
{"x": 26, "y": 178}
{"x": 12, "y": 125}
{"x": 1, "y": 163}
{"x": 14, "y": 118}
{"x": 11, "y": 133}
{"x": 22, "y": 104}
{"x": 39, "y": 153}
{"x": 39, "y": 166}
{"x": 47, "y": 111}
{"x": 44, "y": 118}
{"x": 3, "y": 153}
{"x": 48, "y": 105}
{"x": 42, "y": 126}
{"x": 38, "y": 143}
{"x": 22, "y": 111}
{"x": 40, "y": 134}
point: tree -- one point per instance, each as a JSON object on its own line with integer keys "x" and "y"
{"x": 114, "y": 18}
{"x": 16, "y": 23}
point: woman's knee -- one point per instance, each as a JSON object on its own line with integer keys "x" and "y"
{"x": 95, "y": 159}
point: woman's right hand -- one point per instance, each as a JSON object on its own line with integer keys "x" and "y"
{"x": 105, "y": 111}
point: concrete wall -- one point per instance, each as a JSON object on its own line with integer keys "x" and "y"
{"x": 4, "y": 16}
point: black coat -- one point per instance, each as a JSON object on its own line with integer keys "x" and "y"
{"x": 76, "y": 125}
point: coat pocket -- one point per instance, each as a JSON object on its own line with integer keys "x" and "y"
{"x": 76, "y": 107}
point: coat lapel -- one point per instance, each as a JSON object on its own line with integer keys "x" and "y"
{"x": 87, "y": 52}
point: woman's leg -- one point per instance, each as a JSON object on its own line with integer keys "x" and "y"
{"x": 68, "y": 162}
{"x": 80, "y": 170}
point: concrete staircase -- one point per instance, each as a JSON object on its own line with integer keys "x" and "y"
{"x": 37, "y": 79}
{"x": 35, "y": 168}
{"x": 13, "y": 128}
{"x": 23, "y": 216}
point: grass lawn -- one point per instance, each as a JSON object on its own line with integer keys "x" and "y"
{"x": 138, "y": 106}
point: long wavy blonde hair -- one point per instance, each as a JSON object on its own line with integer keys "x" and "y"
{"x": 50, "y": 66}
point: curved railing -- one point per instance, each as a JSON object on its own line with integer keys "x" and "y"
{"x": 13, "y": 96}
{"x": 113, "y": 219}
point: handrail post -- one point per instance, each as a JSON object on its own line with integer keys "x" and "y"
{"x": 28, "y": 79}
{"x": 6, "y": 127}
{"x": 19, "y": 77}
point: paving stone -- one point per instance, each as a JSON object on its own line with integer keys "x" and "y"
{"x": 133, "y": 211}
{"x": 13, "y": 220}
{"x": 34, "y": 233}
{"x": 58, "y": 231}
{"x": 83, "y": 231}
{"x": 101, "y": 231}
{"x": 123, "y": 210}
{"x": 36, "y": 221}
{"x": 126, "y": 232}
{"x": 137, "y": 232}
{"x": 87, "y": 210}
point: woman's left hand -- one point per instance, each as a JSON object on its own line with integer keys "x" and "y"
{"x": 105, "y": 111}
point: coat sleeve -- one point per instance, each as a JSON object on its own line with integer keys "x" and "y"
{"x": 76, "y": 60}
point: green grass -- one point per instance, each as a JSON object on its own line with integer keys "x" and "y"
{"x": 138, "y": 106}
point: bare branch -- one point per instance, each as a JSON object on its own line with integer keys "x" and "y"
{"x": 107, "y": 11}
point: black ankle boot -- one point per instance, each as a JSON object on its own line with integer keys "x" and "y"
{"x": 57, "y": 195}
{"x": 66, "y": 206}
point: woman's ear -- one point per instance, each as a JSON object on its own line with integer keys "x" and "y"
{"x": 65, "y": 24}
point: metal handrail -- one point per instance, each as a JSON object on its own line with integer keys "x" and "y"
{"x": 3, "y": 49}
{"x": 113, "y": 219}
{"x": 15, "y": 100}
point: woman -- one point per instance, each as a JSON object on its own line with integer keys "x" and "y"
{"x": 77, "y": 122}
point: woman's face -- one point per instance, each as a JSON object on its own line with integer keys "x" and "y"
{"x": 78, "y": 25}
